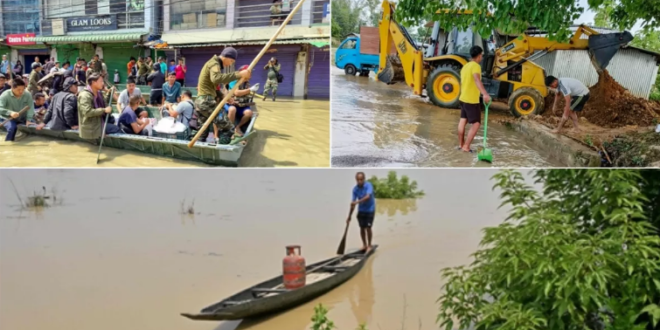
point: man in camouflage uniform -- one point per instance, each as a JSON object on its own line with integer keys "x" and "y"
{"x": 209, "y": 78}
{"x": 273, "y": 68}
{"x": 35, "y": 76}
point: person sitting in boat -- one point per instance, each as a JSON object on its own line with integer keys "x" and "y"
{"x": 129, "y": 120}
{"x": 171, "y": 90}
{"x": 183, "y": 111}
{"x": 238, "y": 107}
{"x": 130, "y": 91}
{"x": 92, "y": 110}
{"x": 4, "y": 86}
{"x": 12, "y": 103}
{"x": 62, "y": 113}
{"x": 40, "y": 108}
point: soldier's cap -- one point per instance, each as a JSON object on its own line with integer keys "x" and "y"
{"x": 68, "y": 82}
{"x": 157, "y": 66}
{"x": 36, "y": 65}
{"x": 229, "y": 52}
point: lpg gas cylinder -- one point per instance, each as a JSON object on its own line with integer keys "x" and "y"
{"x": 293, "y": 268}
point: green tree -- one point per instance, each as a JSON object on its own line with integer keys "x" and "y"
{"x": 345, "y": 18}
{"x": 394, "y": 188}
{"x": 580, "y": 254}
{"x": 603, "y": 15}
{"x": 515, "y": 16}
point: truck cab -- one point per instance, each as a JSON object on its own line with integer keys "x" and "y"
{"x": 350, "y": 58}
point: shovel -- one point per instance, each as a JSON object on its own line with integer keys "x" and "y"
{"x": 485, "y": 154}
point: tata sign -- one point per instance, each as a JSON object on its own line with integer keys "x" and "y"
{"x": 96, "y": 23}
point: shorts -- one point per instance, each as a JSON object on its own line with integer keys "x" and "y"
{"x": 365, "y": 219}
{"x": 578, "y": 102}
{"x": 471, "y": 112}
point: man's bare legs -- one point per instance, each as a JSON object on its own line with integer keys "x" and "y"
{"x": 471, "y": 134}
{"x": 369, "y": 235}
{"x": 568, "y": 113}
{"x": 461, "y": 132}
{"x": 363, "y": 235}
{"x": 247, "y": 114}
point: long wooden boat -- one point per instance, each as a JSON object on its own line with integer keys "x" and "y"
{"x": 205, "y": 152}
{"x": 271, "y": 296}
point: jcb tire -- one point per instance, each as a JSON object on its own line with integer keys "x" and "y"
{"x": 350, "y": 69}
{"x": 364, "y": 73}
{"x": 443, "y": 86}
{"x": 526, "y": 101}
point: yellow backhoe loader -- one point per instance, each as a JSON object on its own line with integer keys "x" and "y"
{"x": 507, "y": 71}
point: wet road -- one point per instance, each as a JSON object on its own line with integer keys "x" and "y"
{"x": 118, "y": 255}
{"x": 291, "y": 132}
{"x": 376, "y": 125}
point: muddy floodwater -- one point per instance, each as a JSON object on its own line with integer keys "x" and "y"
{"x": 117, "y": 254}
{"x": 291, "y": 132}
{"x": 379, "y": 125}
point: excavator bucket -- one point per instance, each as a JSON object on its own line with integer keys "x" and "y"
{"x": 386, "y": 74}
{"x": 602, "y": 47}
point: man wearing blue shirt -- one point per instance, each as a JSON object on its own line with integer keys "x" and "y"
{"x": 363, "y": 196}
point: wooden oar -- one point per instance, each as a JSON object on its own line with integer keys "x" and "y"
{"x": 19, "y": 114}
{"x": 230, "y": 94}
{"x": 105, "y": 125}
{"x": 342, "y": 245}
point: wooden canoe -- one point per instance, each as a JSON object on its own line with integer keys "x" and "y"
{"x": 271, "y": 296}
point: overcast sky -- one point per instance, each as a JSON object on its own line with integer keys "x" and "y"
{"x": 588, "y": 16}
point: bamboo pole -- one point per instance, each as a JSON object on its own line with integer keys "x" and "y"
{"x": 241, "y": 81}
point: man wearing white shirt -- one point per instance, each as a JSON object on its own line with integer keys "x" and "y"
{"x": 576, "y": 95}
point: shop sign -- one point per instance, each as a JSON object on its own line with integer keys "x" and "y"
{"x": 20, "y": 39}
{"x": 95, "y": 23}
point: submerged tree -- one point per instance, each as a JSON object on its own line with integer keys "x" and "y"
{"x": 394, "y": 188}
{"x": 581, "y": 254}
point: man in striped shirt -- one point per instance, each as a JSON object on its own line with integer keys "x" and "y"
{"x": 576, "y": 95}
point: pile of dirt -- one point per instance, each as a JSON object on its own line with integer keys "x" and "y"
{"x": 611, "y": 105}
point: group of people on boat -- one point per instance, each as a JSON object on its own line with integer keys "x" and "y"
{"x": 67, "y": 104}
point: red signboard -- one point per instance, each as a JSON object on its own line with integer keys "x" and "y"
{"x": 20, "y": 39}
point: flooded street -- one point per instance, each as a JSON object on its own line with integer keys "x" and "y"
{"x": 291, "y": 132}
{"x": 377, "y": 125}
{"x": 117, "y": 254}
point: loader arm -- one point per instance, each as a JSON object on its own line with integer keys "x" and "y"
{"x": 392, "y": 33}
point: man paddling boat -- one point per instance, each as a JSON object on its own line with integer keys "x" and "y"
{"x": 363, "y": 196}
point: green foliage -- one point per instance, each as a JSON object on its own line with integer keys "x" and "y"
{"x": 320, "y": 319}
{"x": 394, "y": 188}
{"x": 554, "y": 16}
{"x": 345, "y": 18}
{"x": 362, "y": 327}
{"x": 603, "y": 14}
{"x": 580, "y": 254}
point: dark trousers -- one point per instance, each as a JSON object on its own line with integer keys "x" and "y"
{"x": 12, "y": 128}
{"x": 181, "y": 81}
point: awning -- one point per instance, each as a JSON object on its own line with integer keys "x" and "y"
{"x": 96, "y": 37}
{"x": 234, "y": 36}
{"x": 315, "y": 42}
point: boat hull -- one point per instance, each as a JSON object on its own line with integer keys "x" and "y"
{"x": 209, "y": 153}
{"x": 279, "y": 302}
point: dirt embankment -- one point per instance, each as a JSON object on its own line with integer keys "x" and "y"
{"x": 614, "y": 122}
{"x": 611, "y": 105}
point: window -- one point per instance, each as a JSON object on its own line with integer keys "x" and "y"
{"x": 463, "y": 42}
{"x": 349, "y": 44}
{"x": 197, "y": 14}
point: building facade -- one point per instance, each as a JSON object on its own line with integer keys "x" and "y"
{"x": 198, "y": 30}
{"x": 69, "y": 29}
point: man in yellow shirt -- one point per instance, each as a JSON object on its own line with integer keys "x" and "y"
{"x": 471, "y": 89}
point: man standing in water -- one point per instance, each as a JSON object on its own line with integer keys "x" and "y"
{"x": 363, "y": 196}
{"x": 273, "y": 68}
{"x": 471, "y": 87}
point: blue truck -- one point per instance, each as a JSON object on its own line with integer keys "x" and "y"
{"x": 352, "y": 60}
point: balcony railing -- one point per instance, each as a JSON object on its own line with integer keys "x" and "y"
{"x": 253, "y": 13}
{"x": 198, "y": 14}
{"x": 318, "y": 10}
